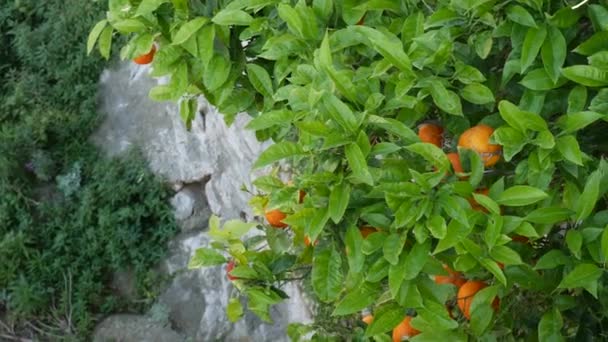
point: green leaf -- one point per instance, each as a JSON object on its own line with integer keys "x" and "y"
{"x": 384, "y": 148}
{"x": 358, "y": 164}
{"x": 354, "y": 247}
{"x": 149, "y": 6}
{"x": 189, "y": 29}
{"x": 217, "y": 72}
{"x": 483, "y": 44}
{"x": 551, "y": 259}
{"x": 539, "y": 79}
{"x": 206, "y": 257}
{"x": 505, "y": 255}
{"x": 327, "y": 274}
{"x": 468, "y": 74}
{"x": 588, "y": 199}
{"x": 446, "y": 100}
{"x": 577, "y": 99}
{"x": 493, "y": 267}
{"x": 535, "y": 37}
{"x": 477, "y": 93}
{"x": 317, "y": 223}
{"x": 270, "y": 119}
{"x": 385, "y": 319}
{"x": 277, "y": 152}
{"x": 416, "y": 259}
{"x": 576, "y": 121}
{"x": 550, "y": 326}
{"x": 586, "y": 75}
{"x": 161, "y": 93}
{"x": 357, "y": 300}
{"x": 456, "y": 233}
{"x": 574, "y": 241}
{"x": 432, "y": 154}
{"x": 583, "y": 275}
{"x": 396, "y": 275}
{"x": 187, "y": 110}
{"x": 388, "y": 45}
{"x": 437, "y": 226}
{"x": 521, "y": 195}
{"x": 596, "y": 43}
{"x": 567, "y": 145}
{"x": 129, "y": 26}
{"x": 599, "y": 59}
{"x": 481, "y": 310}
{"x": 487, "y": 203}
{"x": 520, "y": 15}
{"x": 340, "y": 112}
{"x": 434, "y": 315}
{"x": 549, "y": 215}
{"x": 232, "y": 229}
{"x": 554, "y": 52}
{"x": 493, "y": 230}
{"x": 105, "y": 42}
{"x": 94, "y": 35}
{"x": 290, "y": 16}
{"x": 566, "y": 17}
{"x": 511, "y": 139}
{"x": 260, "y": 79}
{"x": 323, "y": 8}
{"x": 395, "y": 127}
{"x": 338, "y": 201}
{"x": 604, "y": 244}
{"x": 521, "y": 120}
{"x": 234, "y": 310}
{"x": 228, "y": 17}
{"x": 392, "y": 248}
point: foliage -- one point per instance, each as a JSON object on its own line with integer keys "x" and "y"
{"x": 68, "y": 216}
{"x": 340, "y": 86}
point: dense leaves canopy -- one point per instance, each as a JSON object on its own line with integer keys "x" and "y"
{"x": 341, "y": 86}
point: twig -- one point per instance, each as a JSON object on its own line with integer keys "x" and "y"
{"x": 579, "y": 4}
{"x": 15, "y": 338}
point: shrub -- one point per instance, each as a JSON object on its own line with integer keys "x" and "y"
{"x": 518, "y": 92}
{"x": 69, "y": 217}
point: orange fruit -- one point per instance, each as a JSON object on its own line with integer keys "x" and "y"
{"x": 454, "y": 278}
{"x": 366, "y": 230}
{"x": 476, "y": 206}
{"x": 301, "y": 195}
{"x": 275, "y": 218}
{"x": 404, "y": 330}
{"x": 368, "y": 319}
{"x": 455, "y": 161}
{"x": 147, "y": 58}
{"x": 229, "y": 268}
{"x": 307, "y": 241}
{"x": 520, "y": 239}
{"x": 466, "y": 293}
{"x": 477, "y": 138}
{"x": 431, "y": 133}
{"x": 362, "y": 20}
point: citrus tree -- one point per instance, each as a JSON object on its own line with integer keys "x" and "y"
{"x": 448, "y": 154}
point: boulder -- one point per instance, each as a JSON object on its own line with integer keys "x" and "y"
{"x": 207, "y": 166}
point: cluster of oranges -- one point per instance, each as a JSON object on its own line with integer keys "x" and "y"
{"x": 402, "y": 331}
{"x": 476, "y": 138}
{"x": 467, "y": 289}
{"x": 275, "y": 219}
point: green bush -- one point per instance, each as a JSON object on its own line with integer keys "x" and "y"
{"x": 69, "y": 217}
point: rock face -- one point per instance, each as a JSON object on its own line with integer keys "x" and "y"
{"x": 207, "y": 167}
